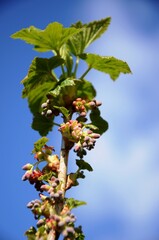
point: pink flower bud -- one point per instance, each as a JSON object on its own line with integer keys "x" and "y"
{"x": 45, "y": 187}
{"x": 27, "y": 166}
{"x": 95, "y": 135}
{"x": 27, "y": 175}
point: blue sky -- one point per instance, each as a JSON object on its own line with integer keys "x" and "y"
{"x": 123, "y": 191}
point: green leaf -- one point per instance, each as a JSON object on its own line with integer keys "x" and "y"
{"x": 40, "y": 72}
{"x": 39, "y": 81}
{"x": 64, "y": 111}
{"x": 89, "y": 33}
{"x": 84, "y": 165}
{"x": 65, "y": 54}
{"x": 79, "y": 233}
{"x": 72, "y": 203}
{"x": 30, "y": 233}
{"x": 65, "y": 92}
{"x": 91, "y": 126}
{"x": 110, "y": 65}
{"x": 37, "y": 96}
{"x": 86, "y": 90}
{"x": 38, "y": 145}
{"x": 51, "y": 38}
{"x": 45, "y": 177}
{"x": 98, "y": 121}
{"x": 42, "y": 124}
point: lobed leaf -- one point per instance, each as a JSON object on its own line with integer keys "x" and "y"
{"x": 89, "y": 33}
{"x": 40, "y": 72}
{"x": 51, "y": 38}
{"x": 110, "y": 65}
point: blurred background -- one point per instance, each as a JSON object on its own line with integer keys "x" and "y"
{"x": 123, "y": 191}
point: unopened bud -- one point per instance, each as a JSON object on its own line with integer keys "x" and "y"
{"x": 98, "y": 103}
{"x": 44, "y": 105}
{"x": 42, "y": 197}
{"x": 40, "y": 222}
{"x": 49, "y": 112}
{"x": 45, "y": 187}
{"x": 95, "y": 135}
{"x": 61, "y": 223}
{"x": 83, "y": 114}
{"x": 26, "y": 176}
{"x": 27, "y": 166}
{"x": 30, "y": 204}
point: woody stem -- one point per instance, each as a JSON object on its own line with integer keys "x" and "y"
{"x": 62, "y": 176}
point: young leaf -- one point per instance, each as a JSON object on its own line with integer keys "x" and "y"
{"x": 79, "y": 233}
{"x": 110, "y": 65}
{"x": 83, "y": 165}
{"x": 30, "y": 233}
{"x": 98, "y": 121}
{"x": 91, "y": 126}
{"x": 45, "y": 177}
{"x": 72, "y": 203}
{"x": 38, "y": 145}
{"x": 65, "y": 92}
{"x": 89, "y": 32}
{"x": 51, "y": 38}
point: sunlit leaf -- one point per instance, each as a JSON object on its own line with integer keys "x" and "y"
{"x": 110, "y": 65}
{"x": 72, "y": 203}
{"x": 89, "y": 33}
{"x": 91, "y": 126}
{"x": 51, "y": 38}
{"x": 45, "y": 177}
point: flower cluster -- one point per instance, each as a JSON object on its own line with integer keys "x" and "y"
{"x": 82, "y": 106}
{"x": 62, "y": 222}
{"x": 53, "y": 215}
{"x": 51, "y": 211}
{"x": 76, "y": 132}
{"x": 71, "y": 130}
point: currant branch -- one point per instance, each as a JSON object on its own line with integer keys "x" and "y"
{"x": 73, "y": 99}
